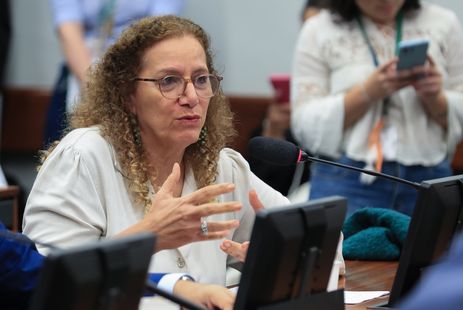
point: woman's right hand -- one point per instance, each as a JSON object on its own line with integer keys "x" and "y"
{"x": 277, "y": 120}
{"x": 382, "y": 83}
{"x": 176, "y": 221}
{"x": 236, "y": 249}
{"x": 386, "y": 80}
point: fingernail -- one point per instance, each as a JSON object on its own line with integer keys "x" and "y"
{"x": 230, "y": 186}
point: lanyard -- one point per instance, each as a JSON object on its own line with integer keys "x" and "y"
{"x": 398, "y": 36}
{"x": 374, "y": 57}
{"x": 105, "y": 22}
{"x": 106, "y": 12}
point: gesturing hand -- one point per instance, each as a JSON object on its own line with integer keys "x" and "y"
{"x": 176, "y": 220}
{"x": 236, "y": 249}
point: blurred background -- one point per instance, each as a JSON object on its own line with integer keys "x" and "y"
{"x": 251, "y": 40}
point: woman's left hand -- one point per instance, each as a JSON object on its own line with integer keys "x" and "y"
{"x": 429, "y": 89}
{"x": 209, "y": 295}
{"x": 236, "y": 249}
{"x": 428, "y": 86}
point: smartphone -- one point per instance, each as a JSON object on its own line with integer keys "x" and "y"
{"x": 281, "y": 85}
{"x": 412, "y": 53}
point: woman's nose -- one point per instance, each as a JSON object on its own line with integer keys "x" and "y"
{"x": 189, "y": 96}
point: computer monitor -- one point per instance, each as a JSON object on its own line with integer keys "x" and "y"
{"x": 109, "y": 274}
{"x": 437, "y": 216}
{"x": 291, "y": 254}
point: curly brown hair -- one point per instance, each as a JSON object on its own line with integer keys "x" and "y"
{"x": 109, "y": 87}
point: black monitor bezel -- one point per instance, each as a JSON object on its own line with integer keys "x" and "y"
{"x": 322, "y": 230}
{"x": 95, "y": 276}
{"x": 434, "y": 222}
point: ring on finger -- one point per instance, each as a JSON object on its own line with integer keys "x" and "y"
{"x": 203, "y": 227}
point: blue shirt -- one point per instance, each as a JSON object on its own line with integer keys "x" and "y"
{"x": 19, "y": 270}
{"x": 126, "y": 11}
{"x": 20, "y": 264}
{"x": 441, "y": 286}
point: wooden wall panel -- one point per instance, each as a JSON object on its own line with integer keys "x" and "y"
{"x": 24, "y": 114}
{"x": 248, "y": 115}
{"x": 457, "y": 163}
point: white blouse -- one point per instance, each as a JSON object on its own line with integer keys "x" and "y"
{"x": 331, "y": 57}
{"x": 80, "y": 195}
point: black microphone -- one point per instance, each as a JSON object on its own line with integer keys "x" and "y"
{"x": 284, "y": 153}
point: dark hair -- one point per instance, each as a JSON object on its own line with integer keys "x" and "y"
{"x": 348, "y": 10}
{"x": 314, "y": 4}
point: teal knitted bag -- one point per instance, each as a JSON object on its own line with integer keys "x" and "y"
{"x": 374, "y": 234}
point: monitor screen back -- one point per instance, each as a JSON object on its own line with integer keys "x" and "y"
{"x": 108, "y": 274}
{"x": 281, "y": 242}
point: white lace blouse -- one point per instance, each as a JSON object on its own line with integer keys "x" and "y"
{"x": 331, "y": 57}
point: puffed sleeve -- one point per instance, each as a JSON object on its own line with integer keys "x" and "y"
{"x": 165, "y": 7}
{"x": 66, "y": 10}
{"x": 64, "y": 207}
{"x": 317, "y": 117}
{"x": 454, "y": 84}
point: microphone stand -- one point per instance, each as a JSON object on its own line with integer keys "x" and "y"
{"x": 152, "y": 287}
{"x": 303, "y": 156}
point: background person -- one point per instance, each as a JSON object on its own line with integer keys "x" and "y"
{"x": 146, "y": 152}
{"x": 85, "y": 29}
{"x": 340, "y": 95}
{"x": 440, "y": 286}
{"x": 285, "y": 179}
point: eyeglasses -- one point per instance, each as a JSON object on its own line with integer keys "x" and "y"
{"x": 174, "y": 86}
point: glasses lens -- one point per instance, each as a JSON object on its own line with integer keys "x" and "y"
{"x": 206, "y": 85}
{"x": 171, "y": 86}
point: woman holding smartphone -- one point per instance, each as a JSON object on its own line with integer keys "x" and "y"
{"x": 276, "y": 125}
{"x": 352, "y": 105}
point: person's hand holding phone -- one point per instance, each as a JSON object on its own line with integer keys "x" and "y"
{"x": 277, "y": 120}
{"x": 278, "y": 117}
{"x": 385, "y": 81}
{"x": 401, "y": 71}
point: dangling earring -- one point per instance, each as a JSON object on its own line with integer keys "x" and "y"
{"x": 202, "y": 136}
{"x": 135, "y": 130}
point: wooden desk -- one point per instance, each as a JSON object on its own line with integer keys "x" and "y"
{"x": 12, "y": 193}
{"x": 368, "y": 276}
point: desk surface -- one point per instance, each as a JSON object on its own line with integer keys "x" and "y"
{"x": 368, "y": 276}
{"x": 360, "y": 276}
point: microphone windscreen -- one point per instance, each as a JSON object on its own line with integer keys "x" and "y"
{"x": 273, "y": 151}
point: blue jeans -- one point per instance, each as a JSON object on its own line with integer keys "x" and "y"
{"x": 382, "y": 193}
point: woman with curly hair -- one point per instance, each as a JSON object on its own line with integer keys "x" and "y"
{"x": 146, "y": 151}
